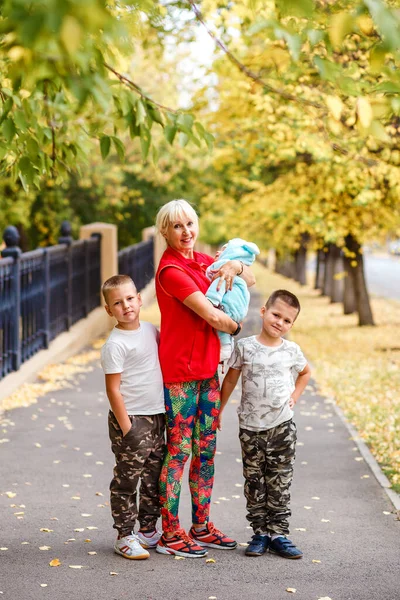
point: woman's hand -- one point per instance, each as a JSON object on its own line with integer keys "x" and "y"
{"x": 227, "y": 273}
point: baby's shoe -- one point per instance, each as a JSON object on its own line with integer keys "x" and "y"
{"x": 129, "y": 547}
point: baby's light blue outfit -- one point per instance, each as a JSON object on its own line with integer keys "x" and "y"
{"x": 234, "y": 303}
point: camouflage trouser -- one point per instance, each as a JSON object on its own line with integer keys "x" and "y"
{"x": 268, "y": 458}
{"x": 139, "y": 454}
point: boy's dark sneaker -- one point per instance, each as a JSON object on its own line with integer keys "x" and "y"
{"x": 212, "y": 538}
{"x": 258, "y": 545}
{"x": 284, "y": 547}
{"x": 180, "y": 545}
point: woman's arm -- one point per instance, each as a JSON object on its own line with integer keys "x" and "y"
{"x": 199, "y": 304}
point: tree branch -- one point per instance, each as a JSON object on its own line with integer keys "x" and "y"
{"x": 132, "y": 85}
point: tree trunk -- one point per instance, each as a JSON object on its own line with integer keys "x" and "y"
{"x": 328, "y": 272}
{"x": 349, "y": 298}
{"x": 319, "y": 270}
{"x": 300, "y": 259}
{"x": 356, "y": 270}
{"x": 337, "y": 290}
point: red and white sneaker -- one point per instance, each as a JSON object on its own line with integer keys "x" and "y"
{"x": 212, "y": 537}
{"x": 180, "y": 545}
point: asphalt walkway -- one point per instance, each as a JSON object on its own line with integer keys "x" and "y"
{"x": 55, "y": 472}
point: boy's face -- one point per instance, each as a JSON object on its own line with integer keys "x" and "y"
{"x": 278, "y": 318}
{"x": 123, "y": 303}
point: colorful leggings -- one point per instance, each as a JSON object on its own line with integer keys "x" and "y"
{"x": 192, "y": 408}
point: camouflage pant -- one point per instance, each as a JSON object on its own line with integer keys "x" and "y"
{"x": 139, "y": 454}
{"x": 268, "y": 458}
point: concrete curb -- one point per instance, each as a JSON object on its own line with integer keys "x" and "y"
{"x": 393, "y": 496}
{"x": 82, "y": 333}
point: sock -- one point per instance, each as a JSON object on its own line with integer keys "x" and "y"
{"x": 147, "y": 532}
{"x": 276, "y": 535}
{"x": 200, "y": 527}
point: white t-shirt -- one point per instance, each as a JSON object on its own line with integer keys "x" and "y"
{"x": 268, "y": 380}
{"x": 134, "y": 354}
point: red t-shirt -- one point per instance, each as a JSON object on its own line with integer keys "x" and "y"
{"x": 189, "y": 347}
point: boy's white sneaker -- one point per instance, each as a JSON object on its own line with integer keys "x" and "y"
{"x": 129, "y": 547}
{"x": 149, "y": 539}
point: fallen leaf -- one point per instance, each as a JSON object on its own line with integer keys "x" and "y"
{"x": 92, "y": 553}
{"x": 43, "y": 585}
{"x": 210, "y": 560}
{"x": 243, "y": 544}
{"x": 358, "y": 458}
{"x": 315, "y": 498}
{"x": 325, "y": 598}
{"x": 315, "y": 561}
{"x": 300, "y": 529}
{"x": 85, "y": 515}
{"x": 79, "y": 529}
{"x": 386, "y": 512}
{"x": 55, "y": 562}
{"x": 307, "y": 507}
{"x": 87, "y": 541}
{"x": 179, "y": 558}
{"x": 44, "y": 547}
{"x": 235, "y": 496}
{"x": 291, "y": 590}
{"x": 86, "y": 475}
{"x": 91, "y": 527}
{"x": 53, "y": 519}
{"x": 88, "y": 453}
{"x": 325, "y": 521}
{"x": 99, "y": 494}
{"x": 114, "y": 572}
{"x": 25, "y": 543}
{"x": 364, "y": 477}
{"x": 38, "y": 445}
{"x": 66, "y": 485}
{"x": 75, "y": 566}
{"x": 3, "y": 548}
{"x": 238, "y": 485}
{"x": 212, "y": 597}
{"x": 11, "y": 494}
{"x": 46, "y": 530}
{"x": 75, "y": 497}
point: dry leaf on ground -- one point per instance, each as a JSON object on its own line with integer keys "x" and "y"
{"x": 55, "y": 562}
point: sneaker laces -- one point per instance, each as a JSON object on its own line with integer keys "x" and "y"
{"x": 184, "y": 537}
{"x": 212, "y": 529}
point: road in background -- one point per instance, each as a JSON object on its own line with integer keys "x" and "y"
{"x": 382, "y": 272}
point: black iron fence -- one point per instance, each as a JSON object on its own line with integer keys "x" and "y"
{"x": 138, "y": 262}
{"x": 45, "y": 291}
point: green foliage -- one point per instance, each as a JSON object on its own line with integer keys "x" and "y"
{"x": 62, "y": 94}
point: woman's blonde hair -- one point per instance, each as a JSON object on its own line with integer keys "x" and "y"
{"x": 173, "y": 211}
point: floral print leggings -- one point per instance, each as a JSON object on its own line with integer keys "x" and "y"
{"x": 192, "y": 409}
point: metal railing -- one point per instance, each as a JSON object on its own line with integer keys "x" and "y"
{"x": 45, "y": 291}
{"x": 138, "y": 262}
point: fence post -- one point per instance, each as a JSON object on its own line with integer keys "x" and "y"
{"x": 11, "y": 238}
{"x": 66, "y": 238}
{"x": 46, "y": 289}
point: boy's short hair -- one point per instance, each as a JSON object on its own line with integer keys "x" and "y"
{"x": 114, "y": 282}
{"x": 286, "y": 297}
{"x": 173, "y": 210}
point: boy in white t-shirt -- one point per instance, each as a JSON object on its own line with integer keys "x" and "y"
{"x": 274, "y": 375}
{"x": 136, "y": 420}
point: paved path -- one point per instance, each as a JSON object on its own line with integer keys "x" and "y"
{"x": 55, "y": 472}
